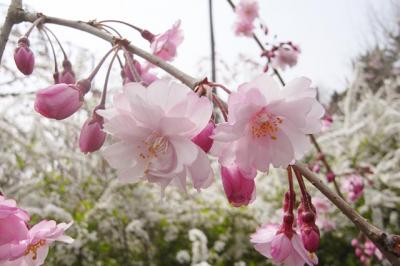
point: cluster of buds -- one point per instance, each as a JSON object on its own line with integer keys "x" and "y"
{"x": 366, "y": 251}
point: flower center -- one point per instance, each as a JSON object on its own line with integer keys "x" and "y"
{"x": 34, "y": 247}
{"x": 265, "y": 124}
{"x": 154, "y": 145}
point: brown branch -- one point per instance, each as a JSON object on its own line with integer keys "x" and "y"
{"x": 389, "y": 245}
{"x": 10, "y": 20}
{"x": 86, "y": 27}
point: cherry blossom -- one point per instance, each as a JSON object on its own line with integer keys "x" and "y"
{"x": 284, "y": 248}
{"x": 268, "y": 125}
{"x": 154, "y": 127}
{"x": 40, "y": 237}
{"x": 244, "y": 27}
{"x": 164, "y": 45}
{"x": 247, "y": 10}
{"x": 284, "y": 56}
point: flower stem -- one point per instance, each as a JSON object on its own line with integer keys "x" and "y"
{"x": 131, "y": 65}
{"x": 58, "y": 41}
{"x": 122, "y": 22}
{"x": 212, "y": 41}
{"x": 54, "y": 56}
{"x": 34, "y": 24}
{"x": 104, "y": 93}
{"x": 94, "y": 72}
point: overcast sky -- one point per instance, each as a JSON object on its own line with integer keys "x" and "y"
{"x": 330, "y": 33}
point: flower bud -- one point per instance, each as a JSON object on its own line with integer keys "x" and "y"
{"x": 203, "y": 139}
{"x": 330, "y": 177}
{"x": 67, "y": 76}
{"x": 147, "y": 35}
{"x": 92, "y": 136}
{"x": 316, "y": 168}
{"x": 307, "y": 217}
{"x": 354, "y": 242}
{"x": 358, "y": 252}
{"x": 239, "y": 189}
{"x": 310, "y": 236}
{"x": 58, "y": 101}
{"x": 23, "y": 57}
{"x": 288, "y": 219}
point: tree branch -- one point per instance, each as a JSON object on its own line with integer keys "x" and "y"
{"x": 10, "y": 20}
{"x": 86, "y": 27}
{"x": 212, "y": 42}
{"x": 389, "y": 245}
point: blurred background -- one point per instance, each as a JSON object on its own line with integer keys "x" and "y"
{"x": 351, "y": 51}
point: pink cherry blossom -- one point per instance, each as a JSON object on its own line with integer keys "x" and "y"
{"x": 276, "y": 245}
{"x": 244, "y": 28}
{"x": 239, "y": 186}
{"x": 203, "y": 139}
{"x": 13, "y": 230}
{"x": 285, "y": 56}
{"x": 40, "y": 237}
{"x": 58, "y": 101}
{"x": 268, "y": 125}
{"x": 164, "y": 45}
{"x": 23, "y": 57}
{"x": 154, "y": 127}
{"x": 92, "y": 136}
{"x": 322, "y": 205}
{"x": 247, "y": 10}
{"x": 354, "y": 185}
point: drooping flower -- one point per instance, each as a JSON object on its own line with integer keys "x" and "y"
{"x": 92, "y": 136}
{"x": 164, "y": 45}
{"x": 284, "y": 56}
{"x": 203, "y": 139}
{"x": 13, "y": 230}
{"x": 247, "y": 10}
{"x": 154, "y": 127}
{"x": 354, "y": 185}
{"x": 287, "y": 249}
{"x": 23, "y": 57}
{"x": 239, "y": 187}
{"x": 40, "y": 237}
{"x": 59, "y": 101}
{"x": 267, "y": 125}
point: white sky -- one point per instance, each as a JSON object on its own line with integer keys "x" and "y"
{"x": 330, "y": 33}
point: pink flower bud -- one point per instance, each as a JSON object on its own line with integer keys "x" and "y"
{"x": 239, "y": 189}
{"x": 330, "y": 177}
{"x": 354, "y": 242}
{"x": 67, "y": 75}
{"x": 92, "y": 136}
{"x": 358, "y": 252}
{"x": 23, "y": 57}
{"x": 58, "y": 101}
{"x": 203, "y": 139}
{"x": 147, "y": 35}
{"x": 316, "y": 168}
{"x": 310, "y": 236}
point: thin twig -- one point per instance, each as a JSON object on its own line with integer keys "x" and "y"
{"x": 212, "y": 42}
{"x": 9, "y": 22}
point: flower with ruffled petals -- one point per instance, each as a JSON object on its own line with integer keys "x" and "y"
{"x": 268, "y": 125}
{"x": 354, "y": 185}
{"x": 164, "y": 45}
{"x": 154, "y": 127}
{"x": 284, "y": 248}
{"x": 240, "y": 188}
{"x": 13, "y": 230}
{"x": 247, "y": 10}
{"x": 40, "y": 237}
{"x": 285, "y": 56}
